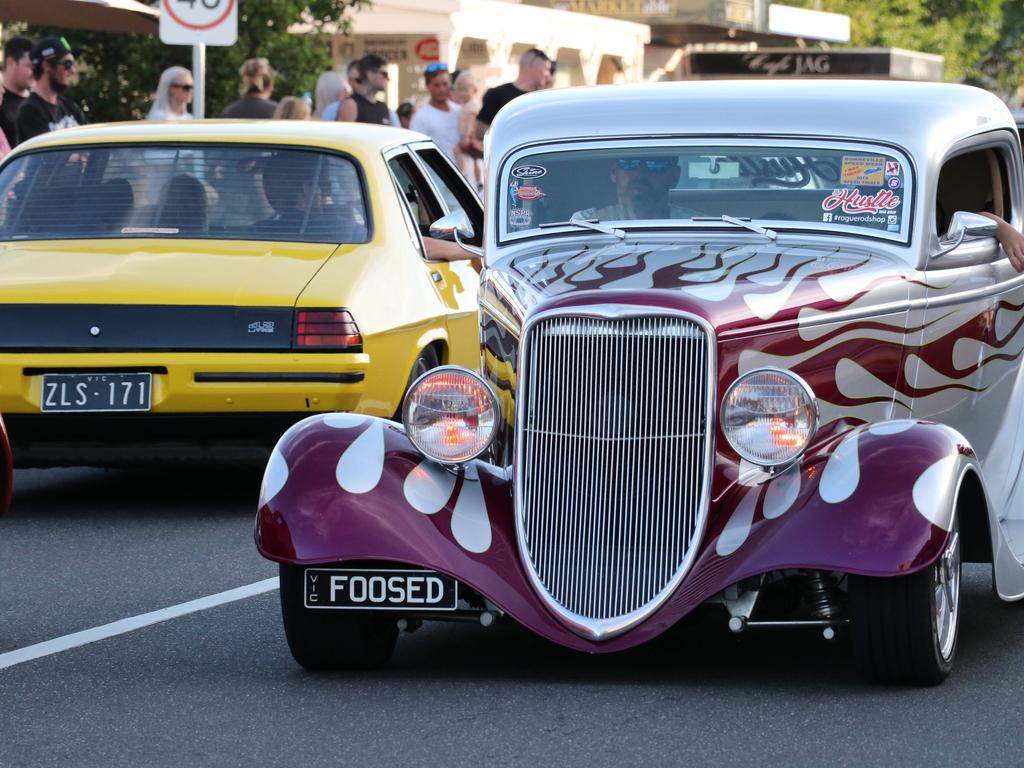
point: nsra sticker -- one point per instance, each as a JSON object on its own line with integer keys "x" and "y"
{"x": 520, "y": 217}
{"x": 861, "y": 169}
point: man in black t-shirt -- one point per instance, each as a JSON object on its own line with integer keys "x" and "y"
{"x": 17, "y": 81}
{"x": 535, "y": 72}
{"x": 46, "y": 109}
{"x": 363, "y": 106}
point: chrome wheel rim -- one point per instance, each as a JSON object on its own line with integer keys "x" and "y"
{"x": 947, "y": 595}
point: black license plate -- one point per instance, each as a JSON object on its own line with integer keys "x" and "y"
{"x": 380, "y": 590}
{"x": 79, "y": 392}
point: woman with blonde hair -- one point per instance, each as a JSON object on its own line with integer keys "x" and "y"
{"x": 173, "y": 95}
{"x": 292, "y": 108}
{"x": 257, "y": 85}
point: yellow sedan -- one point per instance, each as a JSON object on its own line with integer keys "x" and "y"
{"x": 189, "y": 291}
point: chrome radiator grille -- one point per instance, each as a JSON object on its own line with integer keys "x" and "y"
{"x": 612, "y": 453}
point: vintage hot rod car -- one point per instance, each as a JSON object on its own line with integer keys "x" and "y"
{"x": 745, "y": 344}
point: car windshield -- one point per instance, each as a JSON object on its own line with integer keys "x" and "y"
{"x": 858, "y": 189}
{"x": 233, "y": 192}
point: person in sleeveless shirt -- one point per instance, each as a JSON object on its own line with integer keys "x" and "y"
{"x": 364, "y": 107}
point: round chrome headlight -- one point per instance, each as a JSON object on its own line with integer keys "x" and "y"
{"x": 769, "y": 416}
{"x": 451, "y": 414}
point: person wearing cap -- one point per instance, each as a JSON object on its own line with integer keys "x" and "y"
{"x": 47, "y": 108}
{"x": 439, "y": 117}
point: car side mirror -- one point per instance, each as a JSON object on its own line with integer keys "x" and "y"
{"x": 456, "y": 226}
{"x": 963, "y": 228}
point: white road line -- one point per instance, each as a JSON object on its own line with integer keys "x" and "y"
{"x": 122, "y": 626}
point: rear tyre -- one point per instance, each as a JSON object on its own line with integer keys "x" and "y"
{"x": 425, "y": 361}
{"x": 904, "y": 629}
{"x": 332, "y": 639}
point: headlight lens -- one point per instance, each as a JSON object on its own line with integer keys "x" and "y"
{"x": 450, "y": 415}
{"x": 769, "y": 416}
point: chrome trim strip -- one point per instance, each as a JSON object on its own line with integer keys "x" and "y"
{"x": 571, "y": 517}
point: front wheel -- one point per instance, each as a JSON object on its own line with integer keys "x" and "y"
{"x": 322, "y": 639}
{"x": 904, "y": 629}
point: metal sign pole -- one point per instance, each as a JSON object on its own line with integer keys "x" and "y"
{"x": 199, "y": 78}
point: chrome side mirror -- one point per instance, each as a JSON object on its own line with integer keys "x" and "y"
{"x": 965, "y": 227}
{"x": 456, "y": 226}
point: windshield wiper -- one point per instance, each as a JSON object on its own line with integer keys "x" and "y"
{"x": 593, "y": 224}
{"x": 744, "y": 222}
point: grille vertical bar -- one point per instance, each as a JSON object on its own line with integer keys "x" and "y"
{"x": 613, "y": 454}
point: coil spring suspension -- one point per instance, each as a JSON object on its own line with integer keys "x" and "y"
{"x": 822, "y": 595}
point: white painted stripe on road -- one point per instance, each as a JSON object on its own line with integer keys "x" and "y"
{"x": 59, "y": 644}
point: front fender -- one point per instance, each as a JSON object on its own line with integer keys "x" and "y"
{"x": 877, "y": 500}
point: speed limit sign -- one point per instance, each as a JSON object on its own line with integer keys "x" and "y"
{"x": 190, "y": 22}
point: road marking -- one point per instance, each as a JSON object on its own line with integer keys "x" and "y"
{"x": 59, "y": 644}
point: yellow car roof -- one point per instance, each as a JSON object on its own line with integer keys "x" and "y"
{"x": 333, "y": 135}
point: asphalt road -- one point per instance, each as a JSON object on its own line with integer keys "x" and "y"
{"x": 82, "y": 548}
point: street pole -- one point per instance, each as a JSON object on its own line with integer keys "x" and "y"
{"x": 199, "y": 78}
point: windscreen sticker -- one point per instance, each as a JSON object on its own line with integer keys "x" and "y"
{"x": 529, "y": 171}
{"x": 853, "y": 201}
{"x": 893, "y": 182}
{"x": 149, "y": 230}
{"x": 862, "y": 169}
{"x": 880, "y": 210}
{"x": 529, "y": 193}
{"x": 520, "y": 218}
{"x": 892, "y": 168}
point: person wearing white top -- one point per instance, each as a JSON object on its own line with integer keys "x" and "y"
{"x": 173, "y": 95}
{"x": 439, "y": 117}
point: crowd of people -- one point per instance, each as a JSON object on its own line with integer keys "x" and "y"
{"x": 36, "y": 78}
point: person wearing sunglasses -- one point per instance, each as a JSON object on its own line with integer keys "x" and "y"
{"x": 642, "y": 185}
{"x": 47, "y": 108}
{"x": 364, "y": 107}
{"x": 173, "y": 95}
{"x": 439, "y": 117}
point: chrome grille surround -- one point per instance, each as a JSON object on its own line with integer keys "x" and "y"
{"x": 598, "y": 591}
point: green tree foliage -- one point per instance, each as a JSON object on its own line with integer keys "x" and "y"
{"x": 966, "y": 32}
{"x": 119, "y": 72}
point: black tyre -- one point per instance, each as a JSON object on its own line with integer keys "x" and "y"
{"x": 425, "y": 361}
{"x": 332, "y": 639}
{"x": 904, "y": 629}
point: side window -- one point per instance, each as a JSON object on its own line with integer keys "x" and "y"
{"x": 401, "y": 185}
{"x": 425, "y": 207}
{"x": 973, "y": 181}
{"x": 453, "y": 190}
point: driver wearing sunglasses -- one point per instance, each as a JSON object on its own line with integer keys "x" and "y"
{"x": 642, "y": 185}
{"x": 47, "y": 108}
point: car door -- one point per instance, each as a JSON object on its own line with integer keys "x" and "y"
{"x": 966, "y": 370}
{"x": 432, "y": 188}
